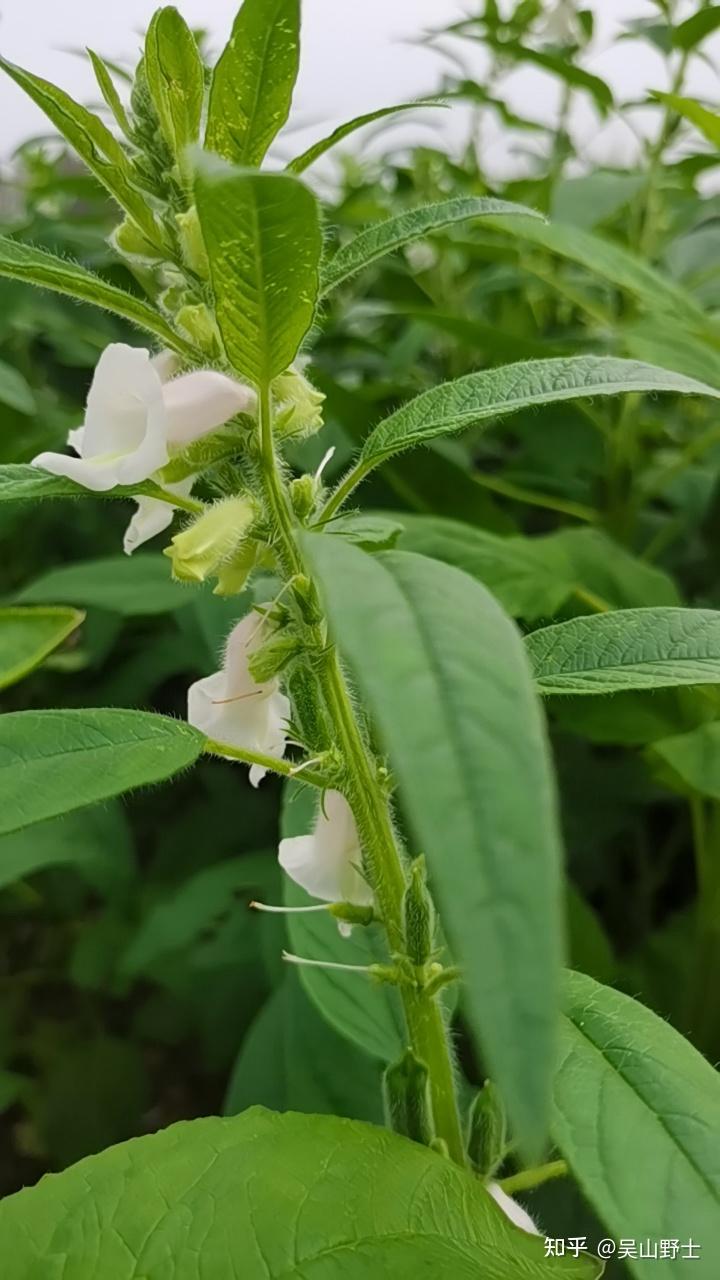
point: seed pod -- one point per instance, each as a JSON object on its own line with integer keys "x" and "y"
{"x": 418, "y": 915}
{"x": 406, "y": 1099}
{"x": 273, "y": 656}
{"x": 487, "y": 1131}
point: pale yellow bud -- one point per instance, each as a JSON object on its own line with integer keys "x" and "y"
{"x": 298, "y": 405}
{"x": 201, "y": 550}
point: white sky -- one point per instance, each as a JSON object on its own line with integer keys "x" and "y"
{"x": 356, "y": 56}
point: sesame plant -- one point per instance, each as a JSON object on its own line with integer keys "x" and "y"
{"x": 421, "y": 856}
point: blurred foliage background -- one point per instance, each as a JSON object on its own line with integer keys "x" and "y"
{"x": 135, "y": 986}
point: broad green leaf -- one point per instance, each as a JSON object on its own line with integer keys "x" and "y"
{"x": 627, "y": 649}
{"x": 708, "y": 122}
{"x": 292, "y": 1060}
{"x": 21, "y": 482}
{"x": 15, "y": 390}
{"x": 262, "y": 234}
{"x": 659, "y": 340}
{"x": 313, "y": 153}
{"x": 175, "y": 78}
{"x": 37, "y": 266}
{"x": 694, "y": 757}
{"x": 133, "y": 587}
{"x": 267, "y": 1197}
{"x": 610, "y": 262}
{"x": 94, "y": 143}
{"x": 27, "y": 636}
{"x": 592, "y": 198}
{"x": 385, "y": 237}
{"x": 420, "y": 634}
{"x": 495, "y": 393}
{"x": 625, "y": 1075}
{"x": 52, "y": 762}
{"x": 176, "y": 921}
{"x": 599, "y": 571}
{"x": 366, "y": 529}
{"x": 690, "y": 33}
{"x": 109, "y": 92}
{"x": 253, "y": 82}
{"x": 94, "y": 841}
{"x": 368, "y": 1015}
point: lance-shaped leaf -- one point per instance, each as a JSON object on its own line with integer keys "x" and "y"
{"x": 107, "y": 88}
{"x": 447, "y": 681}
{"x": 262, "y": 235}
{"x": 37, "y": 266}
{"x": 690, "y": 33}
{"x": 694, "y": 758}
{"x": 52, "y": 762}
{"x": 708, "y": 122}
{"x": 94, "y": 143}
{"x": 627, "y": 649}
{"x": 385, "y": 237}
{"x": 27, "y": 636}
{"x": 624, "y": 1074}
{"x": 253, "y": 82}
{"x": 318, "y": 149}
{"x": 175, "y": 77}
{"x": 495, "y": 393}
{"x": 133, "y": 587}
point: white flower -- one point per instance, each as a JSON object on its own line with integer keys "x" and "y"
{"x": 153, "y": 516}
{"x": 326, "y": 863}
{"x": 230, "y": 707}
{"x": 512, "y": 1209}
{"x": 134, "y": 418}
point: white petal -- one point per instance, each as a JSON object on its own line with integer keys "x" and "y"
{"x": 325, "y": 863}
{"x": 125, "y": 390}
{"x": 199, "y": 402}
{"x": 165, "y": 364}
{"x": 244, "y": 640}
{"x": 98, "y": 474}
{"x": 153, "y": 516}
{"x": 75, "y": 438}
{"x": 252, "y": 723}
{"x": 512, "y": 1209}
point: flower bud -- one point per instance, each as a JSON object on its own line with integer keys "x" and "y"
{"x": 273, "y": 656}
{"x": 303, "y": 495}
{"x": 198, "y": 322}
{"x": 129, "y": 241}
{"x": 192, "y": 243}
{"x": 302, "y": 688}
{"x": 406, "y": 1099}
{"x": 418, "y": 916}
{"x": 199, "y": 551}
{"x": 298, "y": 405}
{"x": 232, "y": 576}
{"x": 487, "y": 1131}
{"x": 306, "y": 597}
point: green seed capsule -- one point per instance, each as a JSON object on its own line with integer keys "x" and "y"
{"x": 406, "y": 1099}
{"x": 487, "y": 1131}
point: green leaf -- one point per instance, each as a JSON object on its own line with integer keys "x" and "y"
{"x": 292, "y": 1060}
{"x": 690, "y": 33}
{"x": 595, "y": 197}
{"x": 565, "y": 68}
{"x": 624, "y": 1072}
{"x": 109, "y": 92}
{"x": 382, "y": 238}
{"x": 178, "y": 920}
{"x": 15, "y": 390}
{"x": 262, "y": 234}
{"x": 269, "y": 1196}
{"x": 175, "y": 78}
{"x": 133, "y": 587}
{"x": 52, "y": 762}
{"x": 366, "y": 529}
{"x": 708, "y": 122}
{"x": 421, "y": 634}
{"x": 369, "y": 1016}
{"x": 695, "y": 758}
{"x": 27, "y": 636}
{"x": 95, "y": 842}
{"x": 313, "y": 153}
{"x": 94, "y": 143}
{"x": 610, "y": 262}
{"x": 494, "y": 393}
{"x": 22, "y": 482}
{"x": 253, "y": 81}
{"x": 37, "y": 266}
{"x": 627, "y": 649}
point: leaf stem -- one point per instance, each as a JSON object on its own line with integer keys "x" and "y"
{"x": 528, "y": 1179}
{"x": 271, "y": 763}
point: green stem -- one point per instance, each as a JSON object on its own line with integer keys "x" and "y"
{"x": 528, "y": 1179}
{"x": 369, "y": 802}
{"x": 226, "y": 751}
{"x": 157, "y": 492}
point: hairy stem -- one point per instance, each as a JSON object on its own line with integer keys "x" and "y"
{"x": 528, "y": 1179}
{"x": 368, "y": 799}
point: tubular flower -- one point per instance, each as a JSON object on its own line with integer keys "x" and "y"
{"x": 135, "y": 418}
{"x": 512, "y": 1209}
{"x": 153, "y": 516}
{"x": 326, "y": 864}
{"x": 231, "y": 707}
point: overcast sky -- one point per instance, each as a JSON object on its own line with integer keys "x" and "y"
{"x": 356, "y": 56}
